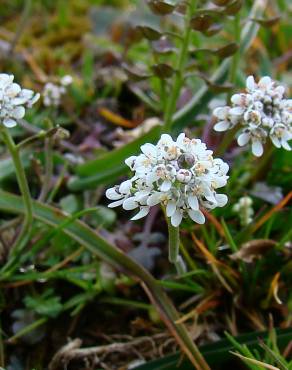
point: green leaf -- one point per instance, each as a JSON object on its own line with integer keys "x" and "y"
{"x": 45, "y": 304}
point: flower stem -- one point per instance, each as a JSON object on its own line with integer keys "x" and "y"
{"x": 173, "y": 248}
{"x": 178, "y": 80}
{"x": 24, "y": 189}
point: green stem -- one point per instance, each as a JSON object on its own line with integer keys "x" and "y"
{"x": 47, "y": 178}
{"x": 178, "y": 80}
{"x": 173, "y": 240}
{"x": 173, "y": 248}
{"x": 24, "y": 189}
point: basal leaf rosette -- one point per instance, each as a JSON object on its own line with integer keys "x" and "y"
{"x": 180, "y": 175}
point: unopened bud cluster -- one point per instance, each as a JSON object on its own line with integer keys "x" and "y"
{"x": 244, "y": 210}
{"x": 53, "y": 92}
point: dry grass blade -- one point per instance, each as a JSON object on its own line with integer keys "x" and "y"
{"x": 269, "y": 214}
{"x": 213, "y": 263}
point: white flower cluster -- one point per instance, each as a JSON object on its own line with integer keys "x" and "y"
{"x": 13, "y": 100}
{"x": 244, "y": 210}
{"x": 53, "y": 92}
{"x": 181, "y": 175}
{"x": 262, "y": 111}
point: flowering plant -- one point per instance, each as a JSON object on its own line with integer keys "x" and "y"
{"x": 262, "y": 111}
{"x": 181, "y": 175}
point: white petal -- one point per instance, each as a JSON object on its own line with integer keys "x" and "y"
{"x": 221, "y": 112}
{"x": 153, "y": 199}
{"x": 142, "y": 213}
{"x": 250, "y": 83}
{"x": 165, "y": 139}
{"x": 236, "y": 99}
{"x": 236, "y": 111}
{"x": 13, "y": 90}
{"x": 222, "y": 126}
{"x": 193, "y": 202}
{"x": 130, "y": 161}
{"x": 150, "y": 178}
{"x": 257, "y": 148}
{"x": 264, "y": 82}
{"x": 125, "y": 187}
{"x": 9, "y": 122}
{"x": 180, "y": 139}
{"x": 243, "y": 139}
{"x": 276, "y": 141}
{"x": 148, "y": 150}
{"x": 130, "y": 203}
{"x": 112, "y": 194}
{"x": 285, "y": 145}
{"x": 116, "y": 204}
{"x": 170, "y": 208}
{"x": 197, "y": 216}
{"x": 18, "y": 112}
{"x": 221, "y": 199}
{"x": 165, "y": 186}
{"x": 220, "y": 181}
{"x": 176, "y": 218}
{"x": 141, "y": 195}
{"x": 34, "y": 99}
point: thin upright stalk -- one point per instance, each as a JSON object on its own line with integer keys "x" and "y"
{"x": 24, "y": 189}
{"x": 178, "y": 79}
{"x": 47, "y": 177}
{"x": 173, "y": 248}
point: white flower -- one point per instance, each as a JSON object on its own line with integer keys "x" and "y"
{"x": 13, "y": 100}
{"x": 262, "y": 111}
{"x": 53, "y": 92}
{"x": 181, "y": 175}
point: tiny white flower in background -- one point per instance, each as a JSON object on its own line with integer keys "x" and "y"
{"x": 244, "y": 210}
{"x": 13, "y": 100}
{"x": 53, "y": 92}
{"x": 181, "y": 175}
{"x": 263, "y": 113}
